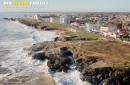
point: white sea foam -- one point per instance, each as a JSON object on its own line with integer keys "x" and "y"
{"x": 72, "y": 77}
{"x": 20, "y": 64}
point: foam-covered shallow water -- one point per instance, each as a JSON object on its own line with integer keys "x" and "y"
{"x": 14, "y": 37}
{"x": 72, "y": 77}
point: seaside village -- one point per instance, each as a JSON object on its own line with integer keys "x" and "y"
{"x": 116, "y": 26}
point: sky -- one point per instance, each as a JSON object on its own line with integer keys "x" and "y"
{"x": 70, "y": 6}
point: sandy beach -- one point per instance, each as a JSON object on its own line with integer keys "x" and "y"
{"x": 45, "y": 80}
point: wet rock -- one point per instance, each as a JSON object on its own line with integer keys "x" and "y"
{"x": 87, "y": 78}
{"x": 60, "y": 63}
{"x": 43, "y": 27}
{"x": 95, "y": 80}
{"x": 39, "y": 56}
{"x": 36, "y": 47}
{"x": 59, "y": 59}
{"x": 6, "y": 18}
{"x": 47, "y": 28}
{"x": 56, "y": 39}
{"x": 13, "y": 19}
{"x": 65, "y": 38}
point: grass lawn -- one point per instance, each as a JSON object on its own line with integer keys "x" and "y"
{"x": 86, "y": 35}
{"x": 125, "y": 39}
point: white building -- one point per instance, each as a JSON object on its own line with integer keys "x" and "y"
{"x": 54, "y": 20}
{"x": 45, "y": 19}
{"x": 64, "y": 19}
{"x": 90, "y": 26}
{"x": 108, "y": 28}
{"x": 36, "y": 16}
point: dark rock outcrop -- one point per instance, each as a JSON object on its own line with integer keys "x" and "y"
{"x": 35, "y": 47}
{"x": 12, "y": 19}
{"x": 63, "y": 38}
{"x": 56, "y": 39}
{"x": 59, "y": 60}
{"x": 43, "y": 27}
{"x": 111, "y": 81}
{"x": 93, "y": 68}
{"x": 6, "y": 18}
{"x": 39, "y": 56}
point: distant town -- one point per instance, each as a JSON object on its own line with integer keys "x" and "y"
{"x": 107, "y": 25}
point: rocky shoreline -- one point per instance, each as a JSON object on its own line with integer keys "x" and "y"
{"x": 93, "y": 68}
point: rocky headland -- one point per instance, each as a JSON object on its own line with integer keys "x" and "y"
{"x": 96, "y": 67}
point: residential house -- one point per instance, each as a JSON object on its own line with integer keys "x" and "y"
{"x": 96, "y": 30}
{"x": 105, "y": 34}
{"x": 74, "y": 24}
{"x": 82, "y": 26}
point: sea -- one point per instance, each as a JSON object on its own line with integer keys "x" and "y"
{"x": 16, "y": 67}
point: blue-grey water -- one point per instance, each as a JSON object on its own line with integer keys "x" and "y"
{"x": 14, "y": 35}
{"x": 11, "y": 33}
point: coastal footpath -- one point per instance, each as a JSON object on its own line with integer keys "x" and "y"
{"x": 99, "y": 61}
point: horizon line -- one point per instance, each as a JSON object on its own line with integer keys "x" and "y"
{"x": 68, "y": 12}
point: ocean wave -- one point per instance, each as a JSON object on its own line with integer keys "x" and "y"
{"x": 22, "y": 67}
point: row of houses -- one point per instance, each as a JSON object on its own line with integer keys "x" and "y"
{"x": 63, "y": 19}
{"x": 105, "y": 30}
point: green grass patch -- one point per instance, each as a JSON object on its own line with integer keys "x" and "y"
{"x": 55, "y": 26}
{"x": 32, "y": 21}
{"x": 125, "y": 39}
{"x": 82, "y": 35}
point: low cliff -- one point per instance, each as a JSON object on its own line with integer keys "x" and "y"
{"x": 100, "y": 62}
